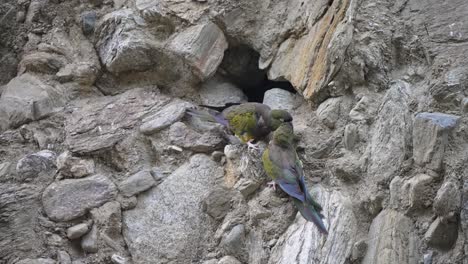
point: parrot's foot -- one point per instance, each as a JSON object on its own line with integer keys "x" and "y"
{"x": 272, "y": 184}
{"x": 252, "y": 146}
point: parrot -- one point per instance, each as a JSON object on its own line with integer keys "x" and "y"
{"x": 281, "y": 163}
{"x": 248, "y": 121}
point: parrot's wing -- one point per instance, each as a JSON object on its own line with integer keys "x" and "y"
{"x": 291, "y": 185}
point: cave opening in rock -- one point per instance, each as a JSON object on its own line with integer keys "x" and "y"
{"x": 240, "y": 66}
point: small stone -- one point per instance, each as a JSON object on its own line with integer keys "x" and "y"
{"x": 20, "y": 16}
{"x": 413, "y": 194}
{"x": 216, "y": 156}
{"x": 217, "y": 92}
{"x": 127, "y": 203}
{"x": 231, "y": 151}
{"x": 246, "y": 187}
{"x": 272, "y": 242}
{"x": 364, "y": 110}
{"x": 74, "y": 167}
{"x": 170, "y": 114}
{"x": 30, "y": 166}
{"x": 234, "y": 242}
{"x": 137, "y": 183}
{"x": 346, "y": 168}
{"x": 442, "y": 235}
{"x": 211, "y": 261}
{"x": 328, "y": 112}
{"x": 351, "y": 136}
{"x": 89, "y": 243}
{"x": 277, "y": 98}
{"x": 359, "y": 250}
{"x": 63, "y": 257}
{"x": 448, "y": 200}
{"x": 116, "y": 259}
{"x": 54, "y": 240}
{"x": 427, "y": 258}
{"x": 207, "y": 141}
{"x": 108, "y": 220}
{"x": 68, "y": 199}
{"x": 88, "y": 22}
{"x": 464, "y": 106}
{"x": 218, "y": 202}
{"x": 229, "y": 260}
{"x": 77, "y": 231}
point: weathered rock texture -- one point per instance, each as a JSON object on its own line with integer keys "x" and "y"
{"x": 99, "y": 162}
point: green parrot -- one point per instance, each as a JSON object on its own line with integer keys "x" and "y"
{"x": 248, "y": 121}
{"x": 282, "y": 164}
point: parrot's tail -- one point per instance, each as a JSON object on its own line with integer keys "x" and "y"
{"x": 311, "y": 214}
{"x": 211, "y": 116}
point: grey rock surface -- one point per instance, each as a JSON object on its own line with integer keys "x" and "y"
{"x": 412, "y": 194}
{"x": 229, "y": 260}
{"x": 32, "y": 165}
{"x": 164, "y": 118}
{"x": 37, "y": 261}
{"x": 69, "y": 199}
{"x": 77, "y": 231}
{"x": 442, "y": 234}
{"x": 188, "y": 138}
{"x": 447, "y": 203}
{"x": 430, "y": 137}
{"x": 89, "y": 243}
{"x": 277, "y": 98}
{"x": 393, "y": 233}
{"x": 176, "y": 205}
{"x": 391, "y": 137}
{"x": 70, "y": 166}
{"x": 137, "y": 183}
{"x": 303, "y": 242}
{"x": 219, "y": 92}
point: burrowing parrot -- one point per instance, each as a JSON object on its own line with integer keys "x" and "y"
{"x": 248, "y": 121}
{"x": 282, "y": 164}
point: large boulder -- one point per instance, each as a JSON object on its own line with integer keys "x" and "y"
{"x": 391, "y": 136}
{"x": 27, "y": 98}
{"x": 70, "y": 199}
{"x": 168, "y": 224}
{"x": 392, "y": 239}
{"x": 302, "y": 241}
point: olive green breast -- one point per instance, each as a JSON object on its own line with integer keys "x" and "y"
{"x": 271, "y": 169}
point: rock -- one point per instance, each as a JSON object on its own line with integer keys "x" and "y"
{"x": 118, "y": 50}
{"x": 137, "y": 183}
{"x": 303, "y": 242}
{"x": 218, "y": 92}
{"x": 391, "y": 136}
{"x": 108, "y": 221}
{"x": 88, "y": 21}
{"x": 359, "y": 250}
{"x": 127, "y": 203}
{"x": 412, "y": 194}
{"x": 53, "y": 240}
{"x": 89, "y": 243}
{"x": 246, "y": 187}
{"x": 181, "y": 223}
{"x": 63, "y": 257}
{"x": 20, "y": 234}
{"x": 229, "y": 260}
{"x": 399, "y": 247}
{"x": 364, "y": 110}
{"x": 328, "y": 112}
{"x": 33, "y": 11}
{"x": 116, "y": 259}
{"x": 70, "y": 166}
{"x": 211, "y": 261}
{"x": 69, "y": 199}
{"x": 33, "y": 165}
{"x": 447, "y": 202}
{"x": 234, "y": 242}
{"x": 464, "y": 106}
{"x": 94, "y": 124}
{"x": 83, "y": 73}
{"x": 430, "y": 136}
{"x": 442, "y": 235}
{"x": 41, "y": 62}
{"x": 4, "y": 169}
{"x": 202, "y": 47}
{"x": 216, "y": 156}
{"x": 37, "y": 261}
{"x": 206, "y": 141}
{"x": 351, "y": 136}
{"x": 346, "y": 168}
{"x": 27, "y": 98}
{"x": 77, "y": 231}
{"x": 170, "y": 114}
{"x": 218, "y": 202}
{"x": 277, "y": 98}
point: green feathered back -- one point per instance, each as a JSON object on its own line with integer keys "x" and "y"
{"x": 243, "y": 123}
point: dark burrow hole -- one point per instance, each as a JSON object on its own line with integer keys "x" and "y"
{"x": 240, "y": 66}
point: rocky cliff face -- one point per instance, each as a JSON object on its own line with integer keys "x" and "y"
{"x": 99, "y": 164}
